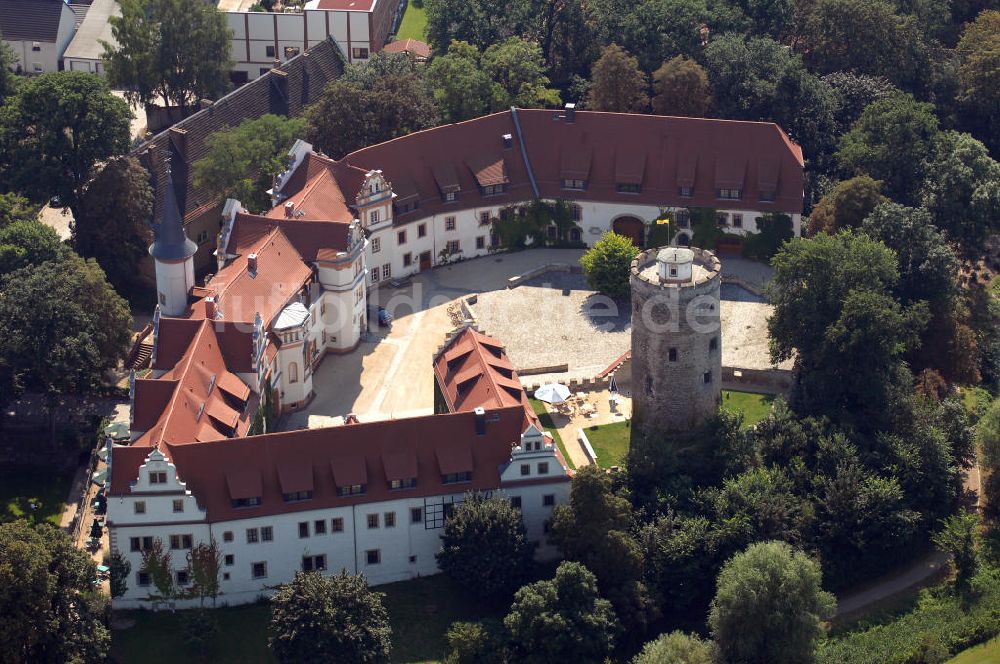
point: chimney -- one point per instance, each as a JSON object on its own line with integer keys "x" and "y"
{"x": 252, "y": 263}
{"x": 508, "y": 141}
{"x": 480, "y": 421}
{"x": 289, "y": 210}
{"x": 211, "y": 311}
{"x": 570, "y": 113}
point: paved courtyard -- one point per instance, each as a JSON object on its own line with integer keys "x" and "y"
{"x": 551, "y": 320}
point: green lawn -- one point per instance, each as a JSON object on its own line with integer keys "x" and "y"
{"x": 754, "y": 407}
{"x": 610, "y": 442}
{"x": 414, "y": 23}
{"x": 984, "y": 653}
{"x": 420, "y": 612}
{"x": 546, "y": 420}
{"x": 47, "y": 490}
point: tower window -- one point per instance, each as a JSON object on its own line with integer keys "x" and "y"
{"x": 672, "y": 355}
{"x": 713, "y": 343}
{"x": 708, "y": 377}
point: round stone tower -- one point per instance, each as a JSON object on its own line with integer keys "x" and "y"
{"x": 676, "y": 339}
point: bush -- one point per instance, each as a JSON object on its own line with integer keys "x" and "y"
{"x": 772, "y": 231}
{"x": 606, "y": 265}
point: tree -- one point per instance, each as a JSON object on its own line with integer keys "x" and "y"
{"x": 120, "y": 570}
{"x": 594, "y": 530}
{"x": 988, "y": 442}
{"x": 200, "y": 629}
{"x": 617, "y": 83}
{"x": 760, "y": 79}
{"x": 768, "y": 605}
{"x": 63, "y": 326}
{"x": 485, "y": 546}
{"x": 57, "y": 128}
{"x": 846, "y": 206}
{"x": 52, "y": 613}
{"x": 681, "y": 88}
{"x": 962, "y": 190}
{"x": 866, "y": 37}
{"x": 959, "y": 537}
{"x": 171, "y": 50}
{"x": 567, "y": 40}
{"x": 349, "y": 116}
{"x": 157, "y": 562}
{"x": 769, "y": 17}
{"x": 25, "y": 243}
{"x": 241, "y": 162}
{"x": 461, "y": 89}
{"x": 8, "y": 81}
{"x": 203, "y": 566}
{"x": 518, "y": 73}
{"x": 607, "y": 264}
{"x": 479, "y": 22}
{"x": 14, "y": 207}
{"x": 979, "y": 76}
{"x": 833, "y": 305}
{"x": 116, "y": 205}
{"x": 891, "y": 142}
{"x": 354, "y": 629}
{"x": 854, "y": 92}
{"x": 475, "y": 643}
{"x": 773, "y": 230}
{"x": 563, "y": 619}
{"x": 676, "y": 648}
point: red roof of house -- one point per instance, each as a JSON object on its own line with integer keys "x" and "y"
{"x": 659, "y": 153}
{"x": 473, "y": 371}
{"x": 347, "y": 5}
{"x": 370, "y": 453}
{"x": 409, "y": 45}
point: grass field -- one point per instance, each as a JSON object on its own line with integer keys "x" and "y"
{"x": 610, "y": 442}
{"x": 414, "y": 23}
{"x": 47, "y": 490}
{"x": 420, "y": 612}
{"x": 984, "y": 653}
{"x": 754, "y": 407}
{"x": 546, "y": 420}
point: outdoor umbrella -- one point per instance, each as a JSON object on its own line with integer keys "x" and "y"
{"x": 613, "y": 385}
{"x": 552, "y": 393}
{"x": 117, "y": 430}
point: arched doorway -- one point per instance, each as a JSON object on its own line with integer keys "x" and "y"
{"x": 630, "y": 227}
{"x": 682, "y": 239}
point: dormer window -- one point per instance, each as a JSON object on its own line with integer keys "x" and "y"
{"x": 492, "y": 190}
{"x": 297, "y": 496}
{"x": 451, "y": 196}
{"x": 456, "y": 478}
{"x": 408, "y": 483}
{"x": 685, "y": 192}
{"x": 729, "y": 194}
{"x": 352, "y": 490}
{"x": 766, "y": 196}
{"x": 246, "y": 502}
{"x": 577, "y": 185}
{"x": 628, "y": 188}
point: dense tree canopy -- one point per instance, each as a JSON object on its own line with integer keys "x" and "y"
{"x": 479, "y": 22}
{"x": 891, "y": 142}
{"x": 768, "y": 606}
{"x": 979, "y": 76}
{"x": 681, "y": 88}
{"x": 334, "y": 619}
{"x": 30, "y": 242}
{"x": 676, "y": 648}
{"x": 112, "y": 222}
{"x": 461, "y": 89}
{"x": 15, "y": 208}
{"x": 517, "y": 70}
{"x": 618, "y": 85}
{"x": 606, "y": 264}
{"x": 172, "y": 51}
{"x": 51, "y": 611}
{"x": 846, "y": 206}
{"x": 241, "y": 162}
{"x": 485, "y": 547}
{"x": 56, "y": 129}
{"x": 561, "y": 620}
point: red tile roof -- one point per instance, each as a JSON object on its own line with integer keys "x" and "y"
{"x": 221, "y": 471}
{"x": 473, "y": 371}
{"x": 413, "y": 46}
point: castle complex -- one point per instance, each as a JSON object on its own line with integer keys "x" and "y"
{"x": 291, "y": 285}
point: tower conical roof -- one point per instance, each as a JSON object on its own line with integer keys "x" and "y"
{"x": 171, "y": 242}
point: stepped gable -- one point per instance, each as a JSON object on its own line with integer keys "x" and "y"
{"x": 286, "y": 90}
{"x": 218, "y": 472}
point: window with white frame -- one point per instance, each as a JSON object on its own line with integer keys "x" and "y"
{"x": 730, "y": 194}
{"x": 578, "y": 185}
{"x": 376, "y": 245}
{"x": 373, "y": 217}
{"x": 386, "y": 271}
{"x": 375, "y": 274}
{"x": 449, "y": 223}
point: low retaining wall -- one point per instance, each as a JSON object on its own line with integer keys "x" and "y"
{"x": 746, "y": 285}
{"x": 574, "y": 384}
{"x": 516, "y": 281}
{"x": 534, "y": 371}
{"x": 770, "y": 381}
{"x": 585, "y": 444}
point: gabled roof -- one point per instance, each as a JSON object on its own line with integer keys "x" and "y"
{"x": 415, "y": 47}
{"x": 473, "y": 371}
{"x": 34, "y": 20}
{"x": 221, "y": 471}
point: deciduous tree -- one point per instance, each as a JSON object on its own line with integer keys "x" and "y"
{"x": 14, "y": 207}
{"x": 112, "y": 222}
{"x": 681, "y": 88}
{"x": 354, "y": 628}
{"x": 479, "y": 22}
{"x": 567, "y": 40}
{"x": 30, "y": 242}
{"x": 979, "y": 76}
{"x": 517, "y": 70}
{"x": 617, "y": 83}
{"x": 56, "y": 129}
{"x": 461, "y": 89}
{"x": 51, "y": 610}
{"x": 850, "y": 202}
{"x": 676, "y": 648}
{"x": 891, "y": 142}
{"x": 606, "y": 264}
{"x": 959, "y": 536}
{"x": 768, "y": 605}
{"x": 241, "y": 162}
{"x": 562, "y": 620}
{"x": 171, "y": 50}
{"x": 485, "y": 547}
{"x": 854, "y": 92}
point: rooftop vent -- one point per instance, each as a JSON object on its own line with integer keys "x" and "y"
{"x": 252, "y": 263}
{"x": 570, "y": 113}
{"x": 508, "y": 141}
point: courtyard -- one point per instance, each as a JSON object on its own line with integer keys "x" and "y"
{"x": 550, "y": 320}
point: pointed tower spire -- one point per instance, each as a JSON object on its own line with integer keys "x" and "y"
{"x": 171, "y": 242}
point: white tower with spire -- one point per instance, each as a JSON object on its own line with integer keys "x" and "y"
{"x": 173, "y": 253}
